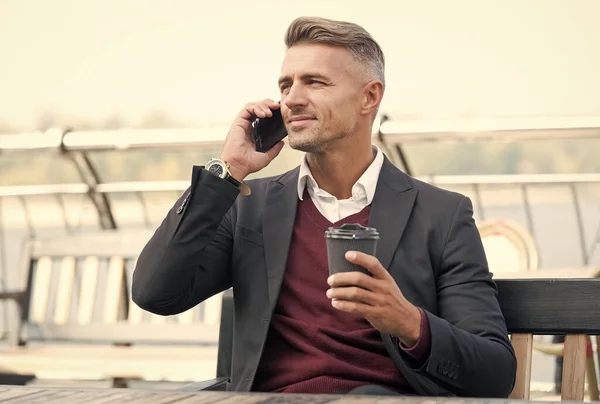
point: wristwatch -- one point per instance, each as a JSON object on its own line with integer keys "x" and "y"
{"x": 220, "y": 168}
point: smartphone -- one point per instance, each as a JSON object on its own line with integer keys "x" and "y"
{"x": 268, "y": 131}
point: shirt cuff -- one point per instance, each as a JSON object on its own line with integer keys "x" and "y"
{"x": 420, "y": 351}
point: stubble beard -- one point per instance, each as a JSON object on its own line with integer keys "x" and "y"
{"x": 314, "y": 140}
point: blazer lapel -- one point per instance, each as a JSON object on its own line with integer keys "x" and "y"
{"x": 278, "y": 223}
{"x": 390, "y": 210}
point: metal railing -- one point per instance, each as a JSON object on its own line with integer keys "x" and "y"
{"x": 76, "y": 144}
{"x": 393, "y": 136}
{"x": 390, "y": 135}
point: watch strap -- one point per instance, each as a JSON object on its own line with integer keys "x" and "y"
{"x": 241, "y": 185}
{"x": 231, "y": 179}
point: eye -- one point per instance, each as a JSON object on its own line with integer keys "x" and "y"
{"x": 315, "y": 82}
{"x": 284, "y": 88}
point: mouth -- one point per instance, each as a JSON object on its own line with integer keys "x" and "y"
{"x": 298, "y": 121}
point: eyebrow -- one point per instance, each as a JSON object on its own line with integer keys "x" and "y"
{"x": 304, "y": 77}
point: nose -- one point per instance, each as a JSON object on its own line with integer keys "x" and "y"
{"x": 296, "y": 97}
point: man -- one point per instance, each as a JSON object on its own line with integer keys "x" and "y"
{"x": 425, "y": 322}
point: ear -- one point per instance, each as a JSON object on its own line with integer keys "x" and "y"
{"x": 371, "y": 97}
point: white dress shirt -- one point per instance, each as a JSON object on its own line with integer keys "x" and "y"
{"x": 333, "y": 209}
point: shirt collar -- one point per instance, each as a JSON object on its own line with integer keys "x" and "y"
{"x": 364, "y": 188}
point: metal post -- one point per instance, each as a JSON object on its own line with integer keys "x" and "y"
{"x": 527, "y": 207}
{"x": 90, "y": 177}
{"x": 403, "y": 159}
{"x": 30, "y": 228}
{"x": 63, "y": 208}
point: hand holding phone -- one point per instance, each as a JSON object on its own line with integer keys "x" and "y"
{"x": 239, "y": 150}
{"x": 268, "y": 131}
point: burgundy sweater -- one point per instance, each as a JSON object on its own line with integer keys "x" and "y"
{"x": 312, "y": 347}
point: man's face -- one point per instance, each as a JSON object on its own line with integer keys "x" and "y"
{"x": 320, "y": 92}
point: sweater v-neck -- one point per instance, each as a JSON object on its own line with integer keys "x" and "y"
{"x": 311, "y": 210}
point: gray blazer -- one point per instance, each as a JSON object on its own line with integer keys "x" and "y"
{"x": 212, "y": 240}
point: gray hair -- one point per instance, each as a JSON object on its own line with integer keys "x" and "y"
{"x": 348, "y": 35}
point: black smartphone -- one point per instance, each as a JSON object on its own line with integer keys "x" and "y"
{"x": 268, "y": 131}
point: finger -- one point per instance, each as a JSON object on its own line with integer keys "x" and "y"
{"x": 369, "y": 262}
{"x": 353, "y": 294}
{"x": 267, "y": 106}
{"x": 253, "y": 110}
{"x": 353, "y": 278}
{"x": 260, "y": 110}
{"x": 352, "y": 307}
{"x": 271, "y": 104}
{"x": 248, "y": 114}
{"x": 257, "y": 109}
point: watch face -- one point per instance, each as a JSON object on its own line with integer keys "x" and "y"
{"x": 216, "y": 169}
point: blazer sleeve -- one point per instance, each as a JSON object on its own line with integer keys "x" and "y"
{"x": 188, "y": 258}
{"x": 470, "y": 353}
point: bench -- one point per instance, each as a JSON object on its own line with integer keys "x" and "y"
{"x": 551, "y": 306}
{"x": 557, "y": 348}
{"x": 76, "y": 319}
{"x": 530, "y": 306}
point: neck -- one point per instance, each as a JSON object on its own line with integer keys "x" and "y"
{"x": 336, "y": 171}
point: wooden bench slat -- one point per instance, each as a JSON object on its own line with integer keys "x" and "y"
{"x": 44, "y": 397}
{"x": 114, "y": 289}
{"x": 590, "y": 373}
{"x": 41, "y": 288}
{"x": 10, "y": 394}
{"x": 183, "y": 363}
{"x": 64, "y": 292}
{"x": 80, "y": 397}
{"x": 88, "y": 290}
{"x": 102, "y": 244}
{"x": 598, "y": 355}
{"x": 573, "y": 376}
{"x": 136, "y": 314}
{"x": 523, "y": 346}
{"x": 123, "y": 332}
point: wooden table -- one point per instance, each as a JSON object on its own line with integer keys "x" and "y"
{"x": 31, "y": 395}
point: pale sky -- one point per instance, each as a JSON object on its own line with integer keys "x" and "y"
{"x": 201, "y": 61}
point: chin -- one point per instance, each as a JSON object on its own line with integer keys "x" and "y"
{"x": 304, "y": 145}
{"x": 306, "y": 140}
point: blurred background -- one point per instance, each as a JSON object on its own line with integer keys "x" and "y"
{"x": 106, "y": 105}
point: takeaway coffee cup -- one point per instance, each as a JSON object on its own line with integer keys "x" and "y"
{"x": 349, "y": 237}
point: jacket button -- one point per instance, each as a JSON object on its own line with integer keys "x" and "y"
{"x": 439, "y": 368}
{"x": 179, "y": 210}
